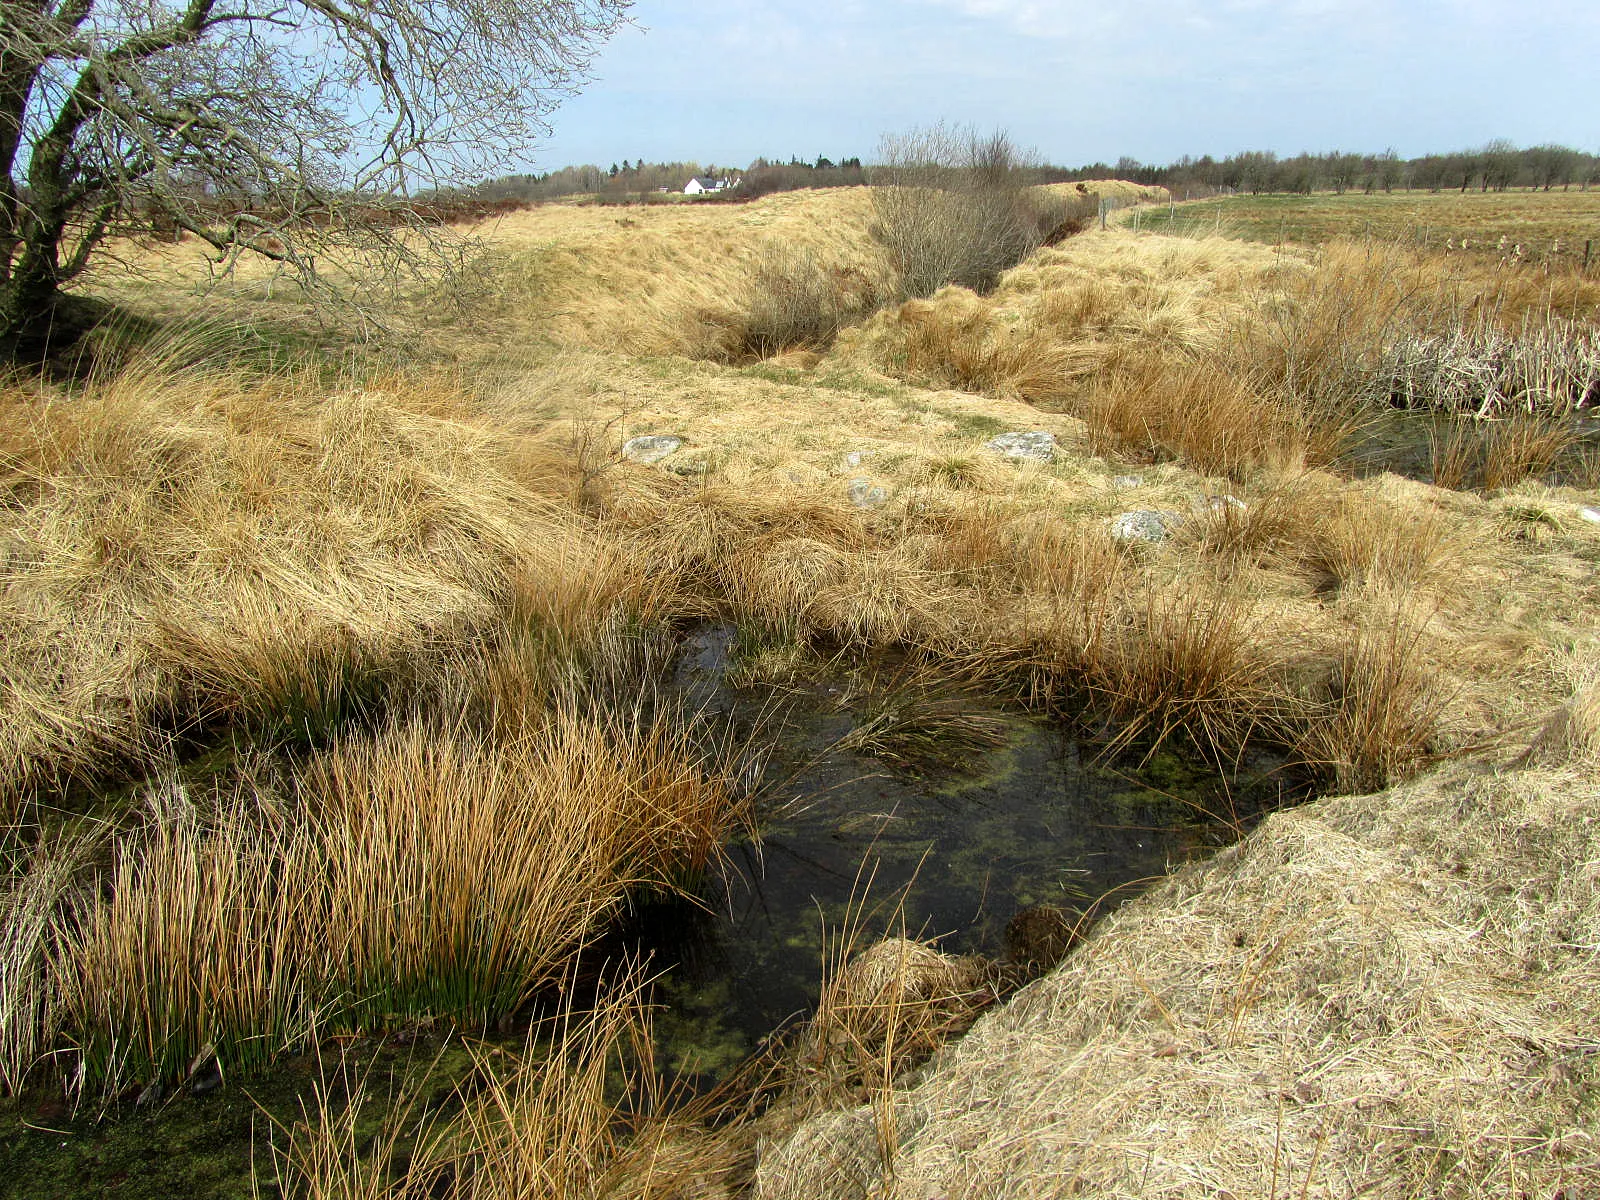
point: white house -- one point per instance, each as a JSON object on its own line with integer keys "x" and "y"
{"x": 701, "y": 184}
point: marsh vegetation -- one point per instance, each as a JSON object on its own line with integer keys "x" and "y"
{"x": 340, "y": 705}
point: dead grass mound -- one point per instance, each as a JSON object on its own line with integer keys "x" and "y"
{"x": 189, "y": 549}
{"x": 1390, "y": 995}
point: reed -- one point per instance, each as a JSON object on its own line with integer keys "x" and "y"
{"x": 549, "y": 1123}
{"x": 1381, "y": 714}
{"x": 420, "y": 872}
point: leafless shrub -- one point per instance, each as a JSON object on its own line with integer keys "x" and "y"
{"x": 954, "y": 206}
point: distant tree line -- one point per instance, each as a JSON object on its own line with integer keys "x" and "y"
{"x": 1497, "y": 166}
{"x": 631, "y": 179}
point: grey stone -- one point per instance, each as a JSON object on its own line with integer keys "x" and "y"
{"x": 1592, "y": 515}
{"x": 1145, "y": 525}
{"x": 650, "y": 448}
{"x": 866, "y": 494}
{"x": 1037, "y": 446}
{"x": 1220, "y": 504}
{"x": 1122, "y": 482}
{"x": 853, "y": 459}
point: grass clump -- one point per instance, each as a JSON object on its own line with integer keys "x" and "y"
{"x": 957, "y": 340}
{"x": 918, "y": 721}
{"x": 548, "y": 1124}
{"x": 1219, "y": 422}
{"x": 1381, "y": 715}
{"x": 794, "y": 301}
{"x": 353, "y": 894}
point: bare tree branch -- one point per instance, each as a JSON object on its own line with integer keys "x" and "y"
{"x": 298, "y": 130}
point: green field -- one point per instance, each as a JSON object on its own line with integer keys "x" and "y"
{"x": 1549, "y": 226}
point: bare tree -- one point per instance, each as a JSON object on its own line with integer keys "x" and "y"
{"x": 291, "y": 129}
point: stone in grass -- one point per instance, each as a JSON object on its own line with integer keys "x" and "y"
{"x": 1591, "y": 515}
{"x": 650, "y": 448}
{"x": 1037, "y": 446}
{"x": 1123, "y": 482}
{"x": 1220, "y": 504}
{"x": 1145, "y": 525}
{"x": 866, "y": 494}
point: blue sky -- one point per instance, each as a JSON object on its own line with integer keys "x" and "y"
{"x": 722, "y": 81}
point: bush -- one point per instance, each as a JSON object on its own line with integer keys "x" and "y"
{"x": 794, "y": 301}
{"x": 952, "y": 206}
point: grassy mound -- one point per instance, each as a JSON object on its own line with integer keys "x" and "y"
{"x": 1391, "y": 994}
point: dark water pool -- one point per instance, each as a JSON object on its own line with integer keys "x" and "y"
{"x": 1034, "y": 816}
{"x": 847, "y": 840}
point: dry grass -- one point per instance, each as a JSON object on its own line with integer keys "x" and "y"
{"x": 198, "y": 549}
{"x": 545, "y": 1127}
{"x": 1188, "y": 658}
{"x": 956, "y": 339}
{"x": 1525, "y": 446}
{"x": 1356, "y": 540}
{"x": 1492, "y": 455}
{"x": 28, "y": 1000}
{"x": 1199, "y": 414}
{"x": 1548, "y": 228}
{"x": 1571, "y": 735}
{"x": 1381, "y": 995}
{"x": 428, "y": 602}
{"x": 349, "y": 898}
{"x": 1383, "y": 708}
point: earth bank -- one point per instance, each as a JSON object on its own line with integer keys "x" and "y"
{"x": 1391, "y": 994}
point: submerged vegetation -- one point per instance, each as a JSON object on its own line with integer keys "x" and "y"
{"x": 336, "y": 700}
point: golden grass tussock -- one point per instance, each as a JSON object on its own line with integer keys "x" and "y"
{"x": 1383, "y": 706}
{"x": 1382, "y": 993}
{"x": 1187, "y": 658}
{"x": 1062, "y": 317}
{"x": 1352, "y": 539}
{"x": 180, "y": 557}
{"x": 956, "y": 339}
{"x": 894, "y": 998}
{"x": 352, "y": 895}
{"x": 547, "y": 1125}
{"x": 1219, "y": 423}
{"x": 32, "y": 895}
{"x": 1233, "y": 358}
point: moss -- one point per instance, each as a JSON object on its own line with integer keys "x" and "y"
{"x": 209, "y": 1147}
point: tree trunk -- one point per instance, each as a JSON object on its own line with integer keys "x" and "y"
{"x": 31, "y": 310}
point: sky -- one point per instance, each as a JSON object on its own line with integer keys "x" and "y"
{"x": 724, "y": 81}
